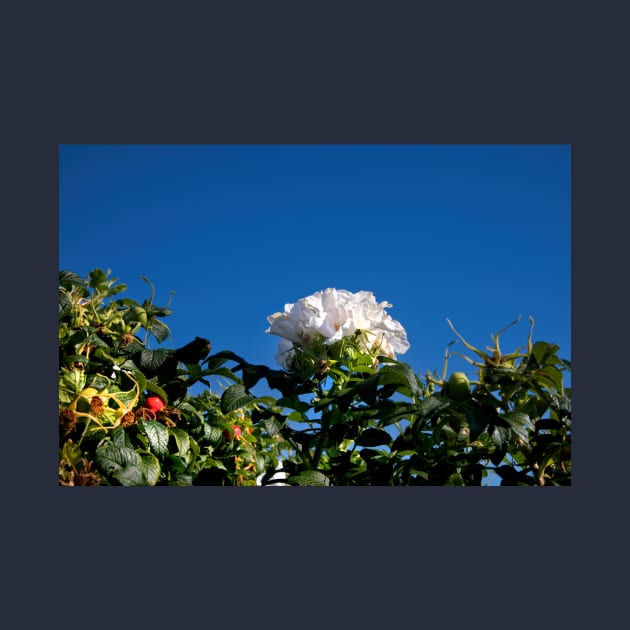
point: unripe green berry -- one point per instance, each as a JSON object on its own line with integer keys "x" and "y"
{"x": 458, "y": 386}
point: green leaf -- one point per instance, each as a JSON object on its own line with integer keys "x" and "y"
{"x": 293, "y": 402}
{"x": 309, "y": 478}
{"x": 543, "y": 351}
{"x": 366, "y": 389}
{"x": 120, "y": 438}
{"x": 71, "y": 383}
{"x": 151, "y": 360}
{"x": 151, "y": 469}
{"x": 65, "y": 305}
{"x": 69, "y": 279}
{"x": 400, "y": 373}
{"x": 157, "y": 434}
{"x": 478, "y": 418}
{"x": 283, "y": 382}
{"x": 212, "y": 434}
{"x": 130, "y": 475}
{"x": 191, "y": 411}
{"x": 387, "y": 412}
{"x": 222, "y": 371}
{"x": 253, "y": 373}
{"x": 501, "y": 437}
{"x": 235, "y": 397}
{"x": 520, "y": 424}
{"x": 71, "y": 452}
{"x": 194, "y": 371}
{"x": 181, "y": 479}
{"x": 373, "y": 437}
{"x": 431, "y": 405}
{"x": 272, "y": 425}
{"x": 111, "y": 458}
{"x": 159, "y": 330}
{"x": 182, "y": 439}
{"x": 551, "y": 377}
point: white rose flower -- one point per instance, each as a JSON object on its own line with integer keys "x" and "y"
{"x": 334, "y": 314}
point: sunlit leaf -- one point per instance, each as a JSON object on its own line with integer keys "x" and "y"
{"x": 157, "y": 434}
{"x": 235, "y": 397}
{"x": 111, "y": 458}
{"x": 520, "y": 424}
{"x": 151, "y": 469}
{"x": 182, "y": 439}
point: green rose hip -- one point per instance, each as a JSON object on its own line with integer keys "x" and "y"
{"x": 458, "y": 386}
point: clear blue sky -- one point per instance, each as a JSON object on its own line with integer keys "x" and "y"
{"x": 475, "y": 233}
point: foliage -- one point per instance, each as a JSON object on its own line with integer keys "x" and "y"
{"x": 109, "y": 433}
{"x": 342, "y": 415}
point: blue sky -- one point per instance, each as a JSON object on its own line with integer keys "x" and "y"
{"x": 478, "y": 234}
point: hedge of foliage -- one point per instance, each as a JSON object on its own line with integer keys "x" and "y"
{"x": 347, "y": 411}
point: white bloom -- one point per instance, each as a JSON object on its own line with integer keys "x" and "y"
{"x": 334, "y": 314}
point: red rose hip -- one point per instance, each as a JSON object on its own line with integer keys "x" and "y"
{"x": 154, "y": 403}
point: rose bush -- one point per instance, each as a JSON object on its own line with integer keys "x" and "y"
{"x": 347, "y": 411}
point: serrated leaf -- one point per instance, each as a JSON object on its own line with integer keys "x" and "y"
{"x": 520, "y": 424}
{"x": 500, "y": 437}
{"x": 120, "y": 438}
{"x": 550, "y": 376}
{"x": 65, "y": 305}
{"x": 272, "y": 425}
{"x": 309, "y": 478}
{"x": 130, "y": 475}
{"x": 212, "y": 434}
{"x": 182, "y": 439}
{"x": 157, "y": 434}
{"x": 400, "y": 373}
{"x": 151, "y": 360}
{"x": 151, "y": 469}
{"x": 159, "y": 330}
{"x": 111, "y": 458}
{"x": 71, "y": 384}
{"x": 69, "y": 279}
{"x": 235, "y": 397}
{"x": 542, "y": 351}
